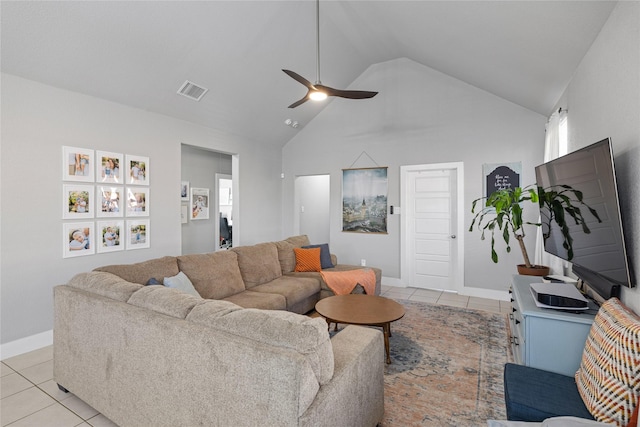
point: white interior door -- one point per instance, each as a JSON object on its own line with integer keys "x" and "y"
{"x": 431, "y": 225}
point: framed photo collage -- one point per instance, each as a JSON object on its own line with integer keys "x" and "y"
{"x": 105, "y": 202}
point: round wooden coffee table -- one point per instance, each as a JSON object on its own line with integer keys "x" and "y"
{"x": 360, "y": 309}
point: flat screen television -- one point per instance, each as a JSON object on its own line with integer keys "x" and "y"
{"x": 599, "y": 257}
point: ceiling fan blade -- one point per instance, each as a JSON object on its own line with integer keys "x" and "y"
{"x": 350, "y": 94}
{"x": 300, "y": 101}
{"x": 297, "y": 77}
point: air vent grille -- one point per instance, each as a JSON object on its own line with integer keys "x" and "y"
{"x": 192, "y": 90}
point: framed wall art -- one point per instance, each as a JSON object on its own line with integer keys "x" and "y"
{"x": 109, "y": 201}
{"x": 77, "y": 239}
{"x": 137, "y": 170}
{"x": 110, "y": 236}
{"x": 78, "y": 164}
{"x": 137, "y": 201}
{"x": 184, "y": 191}
{"x": 199, "y": 203}
{"x": 364, "y": 200}
{"x": 500, "y": 176}
{"x": 137, "y": 234}
{"x": 110, "y": 167}
{"x": 77, "y": 201}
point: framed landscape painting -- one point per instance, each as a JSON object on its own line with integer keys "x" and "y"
{"x": 364, "y": 200}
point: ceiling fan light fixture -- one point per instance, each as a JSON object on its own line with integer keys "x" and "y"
{"x": 317, "y": 96}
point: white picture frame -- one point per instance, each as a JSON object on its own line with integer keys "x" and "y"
{"x": 77, "y": 201}
{"x": 137, "y": 201}
{"x": 109, "y": 167}
{"x": 110, "y": 236}
{"x": 77, "y": 239}
{"x": 184, "y": 191}
{"x": 78, "y": 164}
{"x": 199, "y": 205}
{"x": 110, "y": 201}
{"x": 137, "y": 170}
{"x": 138, "y": 234}
{"x": 184, "y": 214}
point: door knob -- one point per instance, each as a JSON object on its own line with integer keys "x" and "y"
{"x": 453, "y": 236}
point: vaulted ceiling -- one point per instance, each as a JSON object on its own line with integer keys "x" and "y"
{"x": 139, "y": 53}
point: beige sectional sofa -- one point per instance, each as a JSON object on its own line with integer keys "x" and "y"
{"x": 257, "y": 276}
{"x": 156, "y": 356}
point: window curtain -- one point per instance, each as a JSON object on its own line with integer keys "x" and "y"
{"x": 555, "y": 145}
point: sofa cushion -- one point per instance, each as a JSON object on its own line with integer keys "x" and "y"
{"x": 214, "y": 275}
{"x": 609, "y": 375}
{"x": 211, "y": 309}
{"x": 307, "y": 259}
{"x": 534, "y": 395}
{"x": 182, "y": 283}
{"x": 258, "y": 263}
{"x": 169, "y": 301}
{"x": 294, "y": 289}
{"x": 325, "y": 255}
{"x": 143, "y": 271}
{"x": 298, "y": 241}
{"x": 105, "y": 284}
{"x": 262, "y": 300}
{"x": 308, "y": 336}
{"x": 286, "y": 256}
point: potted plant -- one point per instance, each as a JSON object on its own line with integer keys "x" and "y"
{"x": 505, "y": 210}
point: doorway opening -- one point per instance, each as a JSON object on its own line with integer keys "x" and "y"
{"x": 200, "y": 168}
{"x": 312, "y": 207}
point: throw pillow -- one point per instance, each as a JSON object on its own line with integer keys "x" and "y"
{"x": 153, "y": 281}
{"x": 307, "y": 259}
{"x": 181, "y": 282}
{"x": 325, "y": 254}
{"x": 609, "y": 375}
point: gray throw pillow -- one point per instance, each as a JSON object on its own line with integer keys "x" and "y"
{"x": 181, "y": 282}
{"x": 325, "y": 255}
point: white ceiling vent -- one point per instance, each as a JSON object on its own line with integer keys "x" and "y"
{"x": 192, "y": 90}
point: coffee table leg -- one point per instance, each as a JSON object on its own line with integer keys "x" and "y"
{"x": 386, "y": 330}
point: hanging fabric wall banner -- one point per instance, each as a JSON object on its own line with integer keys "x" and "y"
{"x": 364, "y": 200}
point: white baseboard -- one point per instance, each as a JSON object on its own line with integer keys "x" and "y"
{"x": 25, "y": 345}
{"x": 486, "y": 293}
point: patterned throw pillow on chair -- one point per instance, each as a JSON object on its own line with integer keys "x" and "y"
{"x": 609, "y": 375}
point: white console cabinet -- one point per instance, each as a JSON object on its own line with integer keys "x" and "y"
{"x": 545, "y": 338}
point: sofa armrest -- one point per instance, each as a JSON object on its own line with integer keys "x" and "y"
{"x": 355, "y": 394}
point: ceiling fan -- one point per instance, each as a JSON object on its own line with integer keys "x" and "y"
{"x": 318, "y": 91}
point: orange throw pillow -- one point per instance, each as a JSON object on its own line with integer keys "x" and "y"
{"x": 307, "y": 259}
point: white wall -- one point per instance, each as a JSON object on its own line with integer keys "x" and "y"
{"x": 603, "y": 100}
{"x": 420, "y": 116}
{"x": 37, "y": 120}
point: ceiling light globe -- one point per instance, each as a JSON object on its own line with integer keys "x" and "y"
{"x": 317, "y": 96}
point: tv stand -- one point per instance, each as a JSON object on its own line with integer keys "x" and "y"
{"x": 547, "y": 339}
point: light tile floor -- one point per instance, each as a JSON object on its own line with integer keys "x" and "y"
{"x": 30, "y": 397}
